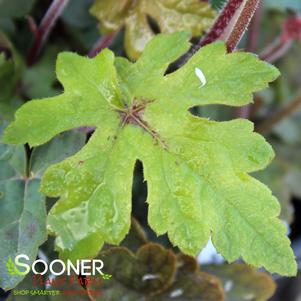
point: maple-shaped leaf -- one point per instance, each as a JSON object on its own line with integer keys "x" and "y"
{"x": 196, "y": 169}
{"x": 138, "y": 17}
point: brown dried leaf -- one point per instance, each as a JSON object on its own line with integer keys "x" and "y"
{"x": 241, "y": 282}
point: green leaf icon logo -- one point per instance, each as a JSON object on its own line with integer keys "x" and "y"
{"x": 106, "y": 276}
{"x": 11, "y": 268}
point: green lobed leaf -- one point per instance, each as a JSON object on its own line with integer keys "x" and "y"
{"x": 169, "y": 15}
{"x": 196, "y": 169}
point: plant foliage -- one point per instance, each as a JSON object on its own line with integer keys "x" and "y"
{"x": 196, "y": 169}
{"x": 22, "y": 206}
{"x": 140, "y": 17}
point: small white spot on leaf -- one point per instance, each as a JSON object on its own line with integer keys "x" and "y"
{"x": 200, "y": 75}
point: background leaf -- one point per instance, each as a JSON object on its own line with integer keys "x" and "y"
{"x": 22, "y": 206}
{"x": 15, "y": 8}
{"x": 10, "y": 72}
{"x": 191, "y": 284}
{"x": 155, "y": 273}
{"x": 241, "y": 282}
{"x": 143, "y": 18}
{"x": 22, "y": 212}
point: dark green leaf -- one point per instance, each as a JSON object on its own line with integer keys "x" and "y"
{"x": 10, "y": 72}
{"x": 15, "y": 8}
{"x": 22, "y": 212}
{"x": 22, "y": 206}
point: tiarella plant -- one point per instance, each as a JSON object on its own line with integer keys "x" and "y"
{"x": 146, "y": 109}
{"x": 196, "y": 169}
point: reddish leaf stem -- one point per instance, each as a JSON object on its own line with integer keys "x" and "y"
{"x": 32, "y": 25}
{"x": 42, "y": 32}
{"x": 221, "y": 22}
{"x": 231, "y": 23}
{"x": 103, "y": 42}
{"x": 229, "y": 26}
{"x": 253, "y": 33}
{"x": 252, "y": 43}
{"x": 239, "y": 23}
{"x": 291, "y": 31}
{"x": 276, "y": 50}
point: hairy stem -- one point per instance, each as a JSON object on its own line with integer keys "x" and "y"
{"x": 268, "y": 125}
{"x": 254, "y": 29}
{"x": 239, "y": 23}
{"x": 221, "y": 22}
{"x": 42, "y": 32}
{"x": 252, "y": 42}
{"x": 231, "y": 23}
{"x": 229, "y": 26}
